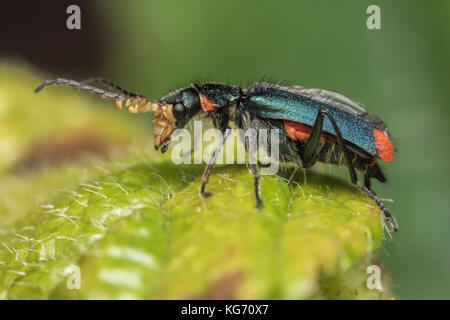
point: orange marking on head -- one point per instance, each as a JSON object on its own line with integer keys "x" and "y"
{"x": 207, "y": 105}
{"x": 384, "y": 145}
{"x": 297, "y": 130}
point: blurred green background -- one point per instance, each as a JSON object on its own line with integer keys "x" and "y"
{"x": 400, "y": 72}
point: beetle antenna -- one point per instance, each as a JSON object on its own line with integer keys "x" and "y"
{"x": 134, "y": 102}
{"x": 81, "y": 86}
{"x": 109, "y": 84}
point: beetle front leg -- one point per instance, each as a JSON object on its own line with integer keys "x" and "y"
{"x": 210, "y": 165}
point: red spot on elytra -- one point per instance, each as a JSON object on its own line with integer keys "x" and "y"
{"x": 301, "y": 131}
{"x": 384, "y": 145}
{"x": 207, "y": 105}
{"x": 297, "y": 130}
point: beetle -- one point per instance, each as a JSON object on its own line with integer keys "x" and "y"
{"x": 313, "y": 124}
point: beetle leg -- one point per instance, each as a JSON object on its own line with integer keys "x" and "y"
{"x": 309, "y": 153}
{"x": 388, "y": 217}
{"x": 246, "y": 123}
{"x": 340, "y": 143}
{"x": 256, "y": 177}
{"x": 367, "y": 180}
{"x": 255, "y": 173}
{"x": 210, "y": 165}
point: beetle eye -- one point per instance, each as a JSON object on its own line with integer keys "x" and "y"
{"x": 179, "y": 110}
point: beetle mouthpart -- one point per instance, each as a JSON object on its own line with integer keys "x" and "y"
{"x": 163, "y": 120}
{"x": 165, "y": 145}
{"x": 164, "y": 124}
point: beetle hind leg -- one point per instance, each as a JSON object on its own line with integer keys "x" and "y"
{"x": 310, "y": 157}
{"x": 388, "y": 217}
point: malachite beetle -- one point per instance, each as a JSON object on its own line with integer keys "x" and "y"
{"x": 313, "y": 124}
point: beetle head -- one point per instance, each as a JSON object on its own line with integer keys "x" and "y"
{"x": 176, "y": 109}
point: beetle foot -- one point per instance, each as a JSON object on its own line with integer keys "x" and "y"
{"x": 206, "y": 195}
{"x": 393, "y": 223}
{"x": 259, "y": 204}
{"x": 203, "y": 193}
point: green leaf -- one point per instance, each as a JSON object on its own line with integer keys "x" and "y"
{"x": 143, "y": 232}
